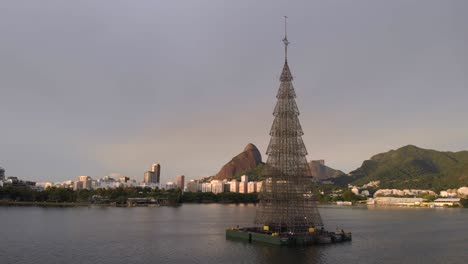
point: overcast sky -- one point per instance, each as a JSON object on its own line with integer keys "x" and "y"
{"x": 100, "y": 87}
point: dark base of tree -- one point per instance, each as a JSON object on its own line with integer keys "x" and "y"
{"x": 255, "y": 234}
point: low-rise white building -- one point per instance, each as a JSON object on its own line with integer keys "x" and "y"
{"x": 396, "y": 201}
{"x": 447, "y": 202}
{"x": 397, "y": 192}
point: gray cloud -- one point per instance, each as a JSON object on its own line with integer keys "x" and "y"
{"x": 95, "y": 87}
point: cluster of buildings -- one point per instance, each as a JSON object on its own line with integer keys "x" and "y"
{"x": 151, "y": 179}
{"x": 405, "y": 192}
{"x": 412, "y": 197}
{"x": 461, "y": 192}
{"x": 217, "y": 186}
{"x": 408, "y": 197}
{"x": 87, "y": 183}
{"x": 451, "y": 193}
{"x": 413, "y": 201}
{"x": 13, "y": 181}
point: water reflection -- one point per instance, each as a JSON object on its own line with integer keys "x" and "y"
{"x": 195, "y": 234}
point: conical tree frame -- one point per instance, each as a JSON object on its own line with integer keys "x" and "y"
{"x": 286, "y": 204}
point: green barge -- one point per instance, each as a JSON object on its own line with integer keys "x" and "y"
{"x": 254, "y": 234}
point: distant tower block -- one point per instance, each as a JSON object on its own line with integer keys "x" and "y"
{"x": 2, "y": 174}
{"x": 156, "y": 168}
{"x": 285, "y": 204}
{"x": 149, "y": 177}
{"x": 181, "y": 182}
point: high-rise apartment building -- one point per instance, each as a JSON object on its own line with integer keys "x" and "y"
{"x": 83, "y": 183}
{"x": 234, "y": 186}
{"x": 156, "y": 168}
{"x": 242, "y": 187}
{"x": 181, "y": 182}
{"x": 217, "y": 186}
{"x": 258, "y": 186}
{"x": 149, "y": 177}
{"x": 154, "y": 175}
{"x": 251, "y": 187}
{"x": 206, "y": 187}
{"x": 193, "y": 186}
{"x": 244, "y": 178}
{"x": 124, "y": 179}
{"x": 2, "y": 174}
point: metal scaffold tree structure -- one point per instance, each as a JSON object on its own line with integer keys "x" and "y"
{"x": 285, "y": 203}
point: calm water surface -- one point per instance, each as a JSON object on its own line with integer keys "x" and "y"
{"x": 195, "y": 234}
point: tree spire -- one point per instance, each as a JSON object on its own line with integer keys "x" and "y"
{"x": 286, "y": 75}
{"x": 285, "y": 39}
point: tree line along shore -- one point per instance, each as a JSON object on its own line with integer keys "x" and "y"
{"x": 61, "y": 197}
{"x": 25, "y": 196}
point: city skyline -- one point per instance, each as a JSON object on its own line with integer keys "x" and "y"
{"x": 117, "y": 87}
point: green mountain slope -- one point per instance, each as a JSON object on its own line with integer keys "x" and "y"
{"x": 413, "y": 167}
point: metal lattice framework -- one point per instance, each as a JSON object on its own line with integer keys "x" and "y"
{"x": 286, "y": 204}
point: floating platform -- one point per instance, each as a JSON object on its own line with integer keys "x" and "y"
{"x": 254, "y": 234}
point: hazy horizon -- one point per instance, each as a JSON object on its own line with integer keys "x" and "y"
{"x": 94, "y": 88}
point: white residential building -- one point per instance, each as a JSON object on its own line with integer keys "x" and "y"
{"x": 193, "y": 186}
{"x": 447, "y": 202}
{"x": 206, "y": 187}
{"x": 396, "y": 192}
{"x": 258, "y": 186}
{"x": 171, "y": 185}
{"x": 242, "y": 187}
{"x": 151, "y": 185}
{"x": 217, "y": 186}
{"x": 227, "y": 186}
{"x": 251, "y": 187}
{"x": 234, "y": 186}
{"x": 463, "y": 192}
{"x": 365, "y": 193}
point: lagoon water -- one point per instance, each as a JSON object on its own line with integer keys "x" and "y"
{"x": 194, "y": 233}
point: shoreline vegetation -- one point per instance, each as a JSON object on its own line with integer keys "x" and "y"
{"x": 136, "y": 196}
{"x": 119, "y": 197}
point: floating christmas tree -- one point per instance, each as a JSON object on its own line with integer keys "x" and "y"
{"x": 286, "y": 205}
